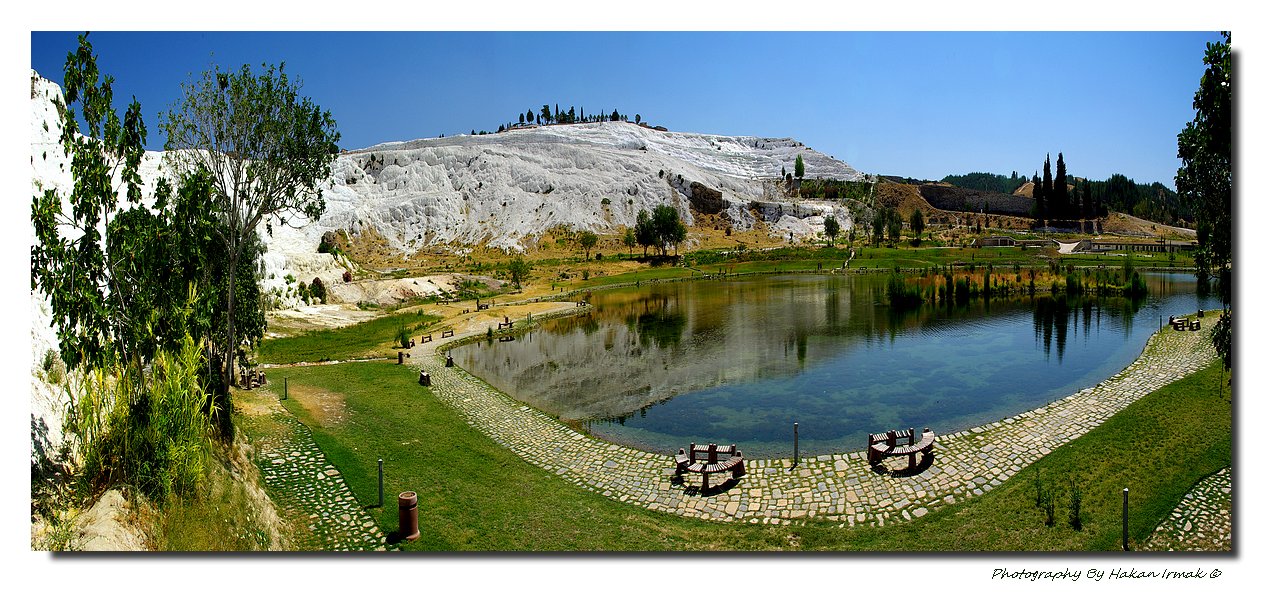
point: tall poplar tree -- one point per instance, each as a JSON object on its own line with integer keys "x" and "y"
{"x": 1047, "y": 189}
{"x": 1061, "y": 188}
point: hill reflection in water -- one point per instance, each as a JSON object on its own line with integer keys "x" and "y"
{"x": 738, "y": 361}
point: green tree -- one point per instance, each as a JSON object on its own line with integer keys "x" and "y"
{"x": 127, "y": 286}
{"x": 519, "y": 270}
{"x": 879, "y": 225}
{"x": 1047, "y": 188}
{"x": 588, "y": 240}
{"x": 1060, "y": 196}
{"x": 1205, "y": 180}
{"x": 615, "y": 115}
{"x": 668, "y": 227}
{"x": 645, "y": 231}
{"x": 894, "y": 225}
{"x": 629, "y": 240}
{"x": 831, "y": 228}
{"x": 917, "y": 222}
{"x": 267, "y": 148}
{"x": 637, "y": 118}
{"x": 799, "y": 168}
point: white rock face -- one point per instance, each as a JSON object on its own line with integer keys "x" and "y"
{"x": 503, "y": 189}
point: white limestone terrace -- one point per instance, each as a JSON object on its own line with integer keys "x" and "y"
{"x": 501, "y": 189}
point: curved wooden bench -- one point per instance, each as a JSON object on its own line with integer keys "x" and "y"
{"x": 888, "y": 444}
{"x": 686, "y": 461}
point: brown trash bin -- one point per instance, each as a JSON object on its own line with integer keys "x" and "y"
{"x": 407, "y": 516}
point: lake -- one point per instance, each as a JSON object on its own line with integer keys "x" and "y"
{"x": 740, "y": 360}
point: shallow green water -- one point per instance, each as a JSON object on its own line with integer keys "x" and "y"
{"x": 739, "y": 361}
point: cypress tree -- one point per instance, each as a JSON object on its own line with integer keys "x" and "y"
{"x": 1061, "y": 188}
{"x": 1047, "y": 188}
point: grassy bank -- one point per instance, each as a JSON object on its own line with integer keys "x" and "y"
{"x": 477, "y": 495}
{"x": 372, "y": 338}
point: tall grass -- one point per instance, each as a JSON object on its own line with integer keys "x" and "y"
{"x": 147, "y": 428}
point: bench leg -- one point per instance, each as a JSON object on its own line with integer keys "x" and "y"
{"x": 912, "y": 460}
{"x": 704, "y": 484}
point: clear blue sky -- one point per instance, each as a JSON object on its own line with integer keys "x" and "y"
{"x": 915, "y": 104}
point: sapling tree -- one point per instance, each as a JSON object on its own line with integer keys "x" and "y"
{"x": 267, "y": 149}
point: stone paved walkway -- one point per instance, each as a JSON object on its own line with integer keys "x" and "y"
{"x": 300, "y": 481}
{"x": 840, "y": 487}
{"x": 1202, "y": 521}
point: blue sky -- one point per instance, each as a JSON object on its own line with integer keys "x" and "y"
{"x": 923, "y": 104}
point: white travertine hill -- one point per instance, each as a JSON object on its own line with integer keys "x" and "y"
{"x": 502, "y": 189}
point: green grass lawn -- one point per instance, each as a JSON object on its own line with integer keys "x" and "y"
{"x": 367, "y": 339}
{"x": 477, "y": 495}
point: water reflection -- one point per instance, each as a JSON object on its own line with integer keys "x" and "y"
{"x": 738, "y": 361}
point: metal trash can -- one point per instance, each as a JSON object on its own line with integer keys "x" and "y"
{"x": 424, "y": 379}
{"x": 400, "y": 357}
{"x": 407, "y": 516}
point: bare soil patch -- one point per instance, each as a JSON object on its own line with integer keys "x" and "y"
{"x": 327, "y": 408}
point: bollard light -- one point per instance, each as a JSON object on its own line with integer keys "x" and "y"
{"x": 1125, "y": 519}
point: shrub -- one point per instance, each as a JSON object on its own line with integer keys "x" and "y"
{"x": 403, "y": 336}
{"x": 346, "y": 276}
{"x": 318, "y": 291}
{"x": 1047, "y": 505}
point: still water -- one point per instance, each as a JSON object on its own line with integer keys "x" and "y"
{"x": 739, "y": 361}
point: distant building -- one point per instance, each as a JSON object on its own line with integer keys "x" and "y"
{"x": 1135, "y": 246}
{"x": 990, "y": 241}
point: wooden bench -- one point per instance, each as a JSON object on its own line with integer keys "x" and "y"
{"x": 899, "y": 442}
{"x": 710, "y": 463}
{"x": 425, "y": 338}
{"x": 506, "y": 325}
{"x": 448, "y": 333}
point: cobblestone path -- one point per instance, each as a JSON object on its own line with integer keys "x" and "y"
{"x": 1202, "y": 521}
{"x": 840, "y": 487}
{"x": 303, "y": 484}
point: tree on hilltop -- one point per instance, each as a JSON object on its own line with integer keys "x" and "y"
{"x": 799, "y": 168}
